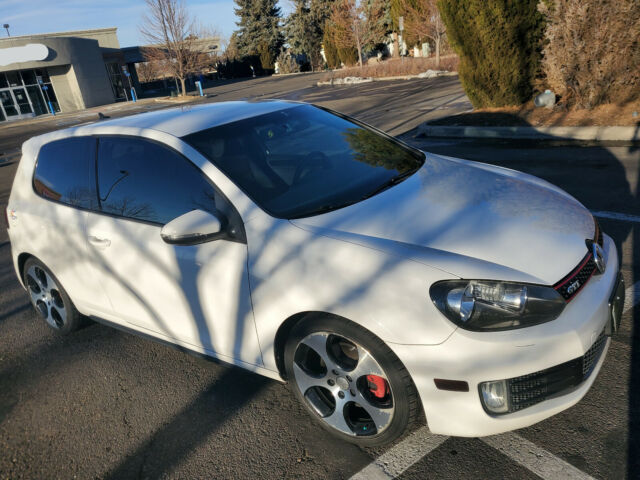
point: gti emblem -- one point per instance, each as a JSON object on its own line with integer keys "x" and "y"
{"x": 573, "y": 287}
{"x": 598, "y": 258}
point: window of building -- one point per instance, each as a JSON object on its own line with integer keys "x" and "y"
{"x": 14, "y": 79}
{"x": 42, "y": 78}
{"x": 143, "y": 180}
{"x": 26, "y": 92}
{"x": 65, "y": 172}
{"x": 113, "y": 69}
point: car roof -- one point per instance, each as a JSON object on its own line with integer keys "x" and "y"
{"x": 183, "y": 120}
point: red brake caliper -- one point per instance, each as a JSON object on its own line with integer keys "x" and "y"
{"x": 377, "y": 386}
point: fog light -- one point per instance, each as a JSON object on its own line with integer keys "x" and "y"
{"x": 495, "y": 396}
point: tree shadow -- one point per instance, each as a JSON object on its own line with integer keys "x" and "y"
{"x": 190, "y": 427}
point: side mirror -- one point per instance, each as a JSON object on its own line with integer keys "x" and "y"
{"x": 196, "y": 226}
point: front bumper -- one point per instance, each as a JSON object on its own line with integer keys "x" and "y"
{"x": 477, "y": 357}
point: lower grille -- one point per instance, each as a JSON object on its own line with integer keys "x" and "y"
{"x": 528, "y": 390}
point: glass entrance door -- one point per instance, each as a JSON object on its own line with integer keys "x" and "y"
{"x": 39, "y": 107}
{"x": 22, "y": 100}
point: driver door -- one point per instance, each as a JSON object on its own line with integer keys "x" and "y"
{"x": 195, "y": 295}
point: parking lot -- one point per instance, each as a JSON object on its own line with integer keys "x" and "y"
{"x": 105, "y": 404}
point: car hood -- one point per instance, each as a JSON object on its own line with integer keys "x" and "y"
{"x": 471, "y": 220}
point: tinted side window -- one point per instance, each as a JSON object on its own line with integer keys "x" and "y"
{"x": 65, "y": 172}
{"x": 143, "y": 180}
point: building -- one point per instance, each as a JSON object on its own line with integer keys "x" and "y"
{"x": 63, "y": 71}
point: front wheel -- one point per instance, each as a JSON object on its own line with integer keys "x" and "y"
{"x": 350, "y": 381}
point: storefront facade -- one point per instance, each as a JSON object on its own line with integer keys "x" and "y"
{"x": 62, "y": 72}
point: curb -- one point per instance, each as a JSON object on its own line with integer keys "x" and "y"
{"x": 384, "y": 79}
{"x": 596, "y": 134}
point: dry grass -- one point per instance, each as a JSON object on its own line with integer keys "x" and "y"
{"x": 604, "y": 115}
{"x": 396, "y": 67}
{"x": 591, "y": 55}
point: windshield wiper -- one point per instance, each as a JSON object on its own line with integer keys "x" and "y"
{"x": 391, "y": 182}
{"x": 335, "y": 206}
{"x": 325, "y": 208}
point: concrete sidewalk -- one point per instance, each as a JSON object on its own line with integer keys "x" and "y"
{"x": 592, "y": 134}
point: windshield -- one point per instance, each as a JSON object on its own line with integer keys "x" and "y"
{"x": 303, "y": 160}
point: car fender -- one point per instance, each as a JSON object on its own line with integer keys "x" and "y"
{"x": 293, "y": 270}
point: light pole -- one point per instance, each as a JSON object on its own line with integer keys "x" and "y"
{"x": 6, "y": 27}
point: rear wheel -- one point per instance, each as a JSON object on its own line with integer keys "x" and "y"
{"x": 49, "y": 299}
{"x": 350, "y": 381}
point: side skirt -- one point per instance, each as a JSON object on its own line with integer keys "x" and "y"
{"x": 211, "y": 357}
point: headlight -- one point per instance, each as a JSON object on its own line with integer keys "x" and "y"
{"x": 486, "y": 305}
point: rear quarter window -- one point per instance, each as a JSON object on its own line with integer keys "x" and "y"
{"x": 65, "y": 172}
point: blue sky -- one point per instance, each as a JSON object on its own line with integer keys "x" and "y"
{"x": 42, "y": 16}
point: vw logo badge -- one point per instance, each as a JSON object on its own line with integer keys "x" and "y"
{"x": 598, "y": 257}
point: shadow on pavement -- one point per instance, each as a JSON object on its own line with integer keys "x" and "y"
{"x": 176, "y": 440}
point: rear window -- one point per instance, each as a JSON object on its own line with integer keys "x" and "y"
{"x": 65, "y": 172}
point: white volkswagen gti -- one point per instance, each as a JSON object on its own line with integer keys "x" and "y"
{"x": 295, "y": 242}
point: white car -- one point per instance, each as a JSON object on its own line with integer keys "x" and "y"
{"x": 297, "y": 243}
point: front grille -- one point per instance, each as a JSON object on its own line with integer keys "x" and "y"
{"x": 534, "y": 388}
{"x": 571, "y": 284}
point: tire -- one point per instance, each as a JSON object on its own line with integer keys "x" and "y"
{"x": 49, "y": 299}
{"x": 346, "y": 377}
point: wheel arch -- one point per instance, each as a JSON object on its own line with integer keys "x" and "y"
{"x": 282, "y": 334}
{"x": 22, "y": 260}
{"x": 285, "y": 328}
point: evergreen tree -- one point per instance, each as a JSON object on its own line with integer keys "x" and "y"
{"x": 330, "y": 51}
{"x": 305, "y": 28}
{"x": 258, "y": 31}
{"x": 499, "y": 44}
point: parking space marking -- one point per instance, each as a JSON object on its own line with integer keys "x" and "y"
{"x": 631, "y": 296}
{"x": 625, "y": 217}
{"x": 401, "y": 456}
{"x": 533, "y": 458}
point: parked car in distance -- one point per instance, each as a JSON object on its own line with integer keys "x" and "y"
{"x": 379, "y": 280}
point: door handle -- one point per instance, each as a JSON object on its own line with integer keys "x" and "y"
{"x": 99, "y": 242}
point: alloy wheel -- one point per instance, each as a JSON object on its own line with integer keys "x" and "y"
{"x": 343, "y": 384}
{"x": 45, "y": 297}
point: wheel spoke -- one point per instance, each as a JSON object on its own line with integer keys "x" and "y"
{"x": 380, "y": 416}
{"x": 34, "y": 296}
{"x": 51, "y": 285}
{"x": 318, "y": 343}
{"x": 367, "y": 365}
{"x": 61, "y": 313}
{"x": 306, "y": 381}
{"x": 336, "y": 419}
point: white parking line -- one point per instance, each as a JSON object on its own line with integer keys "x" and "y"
{"x": 535, "y": 459}
{"x": 625, "y": 217}
{"x": 631, "y": 296}
{"x": 402, "y": 456}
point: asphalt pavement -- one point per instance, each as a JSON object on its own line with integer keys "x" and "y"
{"x": 106, "y": 404}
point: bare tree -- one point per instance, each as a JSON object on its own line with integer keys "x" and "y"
{"x": 422, "y": 19}
{"x": 148, "y": 71}
{"x": 357, "y": 24}
{"x": 172, "y": 33}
